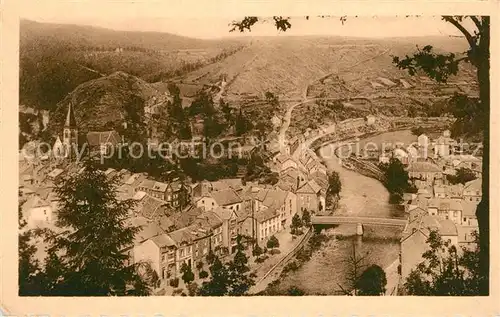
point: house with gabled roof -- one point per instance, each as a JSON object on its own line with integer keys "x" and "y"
{"x": 446, "y": 208}
{"x": 311, "y": 196}
{"x": 38, "y": 212}
{"x": 473, "y": 191}
{"x": 227, "y": 199}
{"x": 229, "y": 219}
{"x": 414, "y": 239}
{"x": 103, "y": 142}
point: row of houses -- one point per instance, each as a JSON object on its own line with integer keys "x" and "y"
{"x": 448, "y": 209}
{"x": 305, "y": 176}
{"x": 443, "y": 149}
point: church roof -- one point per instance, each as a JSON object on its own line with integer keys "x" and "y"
{"x": 96, "y": 138}
{"x": 70, "y": 117}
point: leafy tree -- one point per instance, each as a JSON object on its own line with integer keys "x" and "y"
{"x": 241, "y": 124}
{"x": 372, "y": 281}
{"x": 257, "y": 250}
{"x": 273, "y": 242}
{"x": 22, "y": 140}
{"x": 296, "y": 224}
{"x": 445, "y": 271}
{"x": 199, "y": 265}
{"x": 226, "y": 111}
{"x": 187, "y": 273}
{"x": 263, "y": 127}
{"x": 396, "y": 179}
{"x": 334, "y": 184}
{"x": 271, "y": 98}
{"x": 306, "y": 218}
{"x": 203, "y": 274}
{"x": 462, "y": 176}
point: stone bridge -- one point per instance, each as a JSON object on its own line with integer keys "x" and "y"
{"x": 358, "y": 221}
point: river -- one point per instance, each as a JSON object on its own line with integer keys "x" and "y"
{"x": 360, "y": 196}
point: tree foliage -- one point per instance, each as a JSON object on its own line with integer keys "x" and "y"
{"x": 231, "y": 279}
{"x": 187, "y": 273}
{"x": 355, "y": 264}
{"x": 446, "y": 270}
{"x": 472, "y": 114}
{"x": 296, "y": 224}
{"x": 396, "y": 179}
{"x": 273, "y": 242}
{"x": 306, "y": 218}
{"x": 87, "y": 258}
{"x": 462, "y": 176}
{"x": 372, "y": 281}
{"x": 334, "y": 184}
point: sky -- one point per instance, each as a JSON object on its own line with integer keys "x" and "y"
{"x": 148, "y": 16}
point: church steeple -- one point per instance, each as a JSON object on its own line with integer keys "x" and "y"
{"x": 70, "y": 133}
{"x": 70, "y": 117}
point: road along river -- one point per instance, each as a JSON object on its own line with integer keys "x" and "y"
{"x": 360, "y": 196}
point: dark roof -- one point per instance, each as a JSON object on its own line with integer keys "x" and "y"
{"x": 70, "y": 117}
{"x": 103, "y": 137}
{"x": 150, "y": 207}
{"x": 226, "y": 197}
{"x": 186, "y": 217}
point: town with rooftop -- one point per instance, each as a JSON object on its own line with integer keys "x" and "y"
{"x": 339, "y": 183}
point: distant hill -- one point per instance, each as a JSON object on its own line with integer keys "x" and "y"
{"x": 56, "y": 58}
{"x": 286, "y": 65}
{"x": 104, "y": 103}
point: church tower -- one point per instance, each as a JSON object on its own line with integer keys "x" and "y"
{"x": 70, "y": 132}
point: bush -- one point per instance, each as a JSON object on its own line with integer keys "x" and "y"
{"x": 177, "y": 291}
{"x": 273, "y": 242}
{"x": 317, "y": 240}
{"x": 304, "y": 254}
{"x": 203, "y": 274}
{"x": 199, "y": 265}
{"x": 295, "y": 291}
{"x": 174, "y": 282}
{"x": 257, "y": 251}
{"x": 291, "y": 266}
{"x": 192, "y": 289}
{"x": 261, "y": 258}
{"x": 264, "y": 251}
{"x": 274, "y": 251}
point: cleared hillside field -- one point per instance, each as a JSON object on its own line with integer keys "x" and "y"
{"x": 287, "y": 65}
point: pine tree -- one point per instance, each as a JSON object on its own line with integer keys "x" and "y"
{"x": 239, "y": 277}
{"x": 86, "y": 259}
{"x": 219, "y": 279}
{"x": 30, "y": 279}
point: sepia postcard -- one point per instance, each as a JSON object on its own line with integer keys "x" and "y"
{"x": 219, "y": 152}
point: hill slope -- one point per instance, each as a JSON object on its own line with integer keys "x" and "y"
{"x": 55, "y": 58}
{"x": 287, "y": 65}
{"x": 105, "y": 103}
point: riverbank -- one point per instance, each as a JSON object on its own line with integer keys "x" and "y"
{"x": 360, "y": 196}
